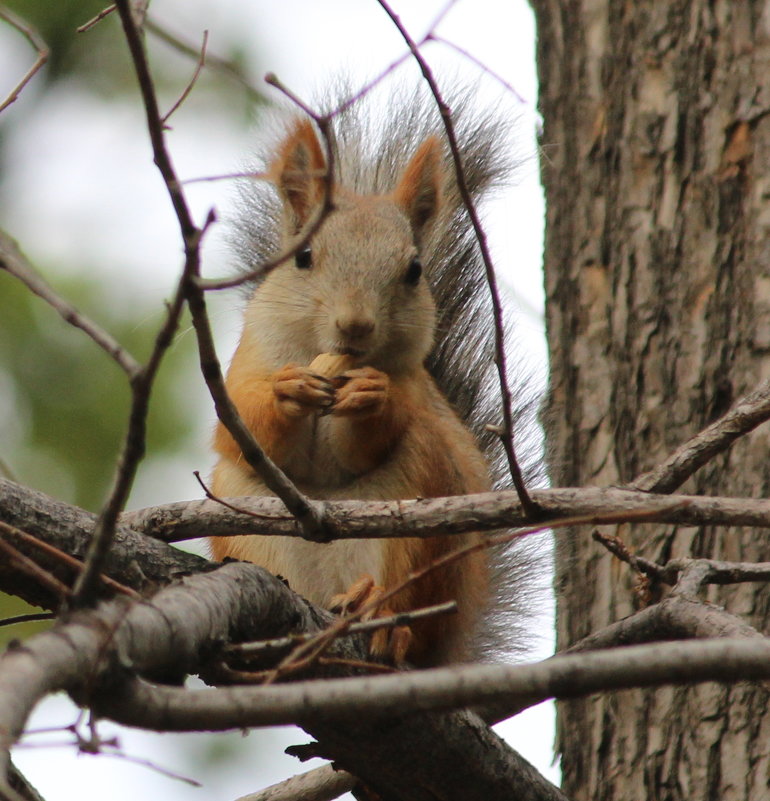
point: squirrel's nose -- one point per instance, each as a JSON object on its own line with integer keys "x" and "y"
{"x": 355, "y": 327}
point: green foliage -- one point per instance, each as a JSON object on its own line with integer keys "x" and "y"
{"x": 85, "y": 53}
{"x": 65, "y": 401}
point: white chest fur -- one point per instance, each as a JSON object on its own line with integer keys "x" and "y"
{"x": 316, "y": 571}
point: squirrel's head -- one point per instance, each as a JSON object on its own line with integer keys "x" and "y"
{"x": 357, "y": 285}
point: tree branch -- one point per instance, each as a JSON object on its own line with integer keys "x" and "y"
{"x": 749, "y": 412}
{"x": 134, "y": 444}
{"x": 321, "y": 784}
{"x": 134, "y": 560}
{"x": 13, "y": 261}
{"x": 213, "y": 62}
{"x": 454, "y": 515}
{"x": 34, "y": 38}
{"x": 174, "y": 633}
{"x": 530, "y": 508}
{"x": 728, "y": 660}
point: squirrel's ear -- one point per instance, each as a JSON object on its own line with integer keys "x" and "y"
{"x": 419, "y": 190}
{"x": 298, "y": 171}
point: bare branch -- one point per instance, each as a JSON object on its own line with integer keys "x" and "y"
{"x": 531, "y": 510}
{"x": 34, "y": 38}
{"x": 432, "y": 37}
{"x": 13, "y": 261}
{"x": 432, "y": 516}
{"x": 322, "y": 784}
{"x": 749, "y": 412}
{"x": 97, "y": 19}
{"x": 565, "y": 676}
{"x": 272, "y": 647}
{"x": 213, "y": 62}
{"x": 198, "y": 67}
{"x": 134, "y": 560}
{"x": 30, "y": 618}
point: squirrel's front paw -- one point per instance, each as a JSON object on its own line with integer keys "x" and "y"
{"x": 300, "y": 391}
{"x": 361, "y": 392}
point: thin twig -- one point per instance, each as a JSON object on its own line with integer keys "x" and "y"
{"x": 95, "y": 20}
{"x": 34, "y": 38}
{"x": 263, "y": 647}
{"x": 530, "y": 508}
{"x": 326, "y": 205}
{"x": 306, "y": 512}
{"x": 228, "y": 176}
{"x": 749, "y": 412}
{"x": 233, "y": 676}
{"x": 13, "y": 261}
{"x": 432, "y": 37}
{"x": 185, "y": 94}
{"x": 134, "y": 442}
{"x": 213, "y": 62}
{"x": 32, "y": 617}
{"x": 65, "y": 558}
{"x": 95, "y": 744}
{"x": 239, "y": 509}
{"x": 618, "y": 548}
{"x": 31, "y": 568}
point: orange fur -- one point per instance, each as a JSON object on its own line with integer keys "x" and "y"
{"x": 382, "y": 430}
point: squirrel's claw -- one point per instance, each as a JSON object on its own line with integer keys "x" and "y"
{"x": 391, "y": 645}
{"x": 363, "y": 393}
{"x": 299, "y": 391}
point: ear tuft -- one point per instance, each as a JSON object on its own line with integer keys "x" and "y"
{"x": 298, "y": 172}
{"x": 419, "y": 190}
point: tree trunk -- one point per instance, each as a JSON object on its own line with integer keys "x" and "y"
{"x": 656, "y": 145}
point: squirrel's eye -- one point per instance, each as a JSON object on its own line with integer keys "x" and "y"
{"x": 413, "y": 272}
{"x": 304, "y": 258}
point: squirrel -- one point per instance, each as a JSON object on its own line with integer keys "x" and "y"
{"x": 363, "y": 353}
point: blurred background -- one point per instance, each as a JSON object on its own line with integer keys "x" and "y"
{"x": 80, "y": 194}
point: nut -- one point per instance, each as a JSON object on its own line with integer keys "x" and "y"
{"x": 331, "y": 364}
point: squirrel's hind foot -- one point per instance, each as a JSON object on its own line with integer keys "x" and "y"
{"x": 386, "y": 644}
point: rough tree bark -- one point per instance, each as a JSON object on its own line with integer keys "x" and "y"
{"x": 656, "y": 146}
